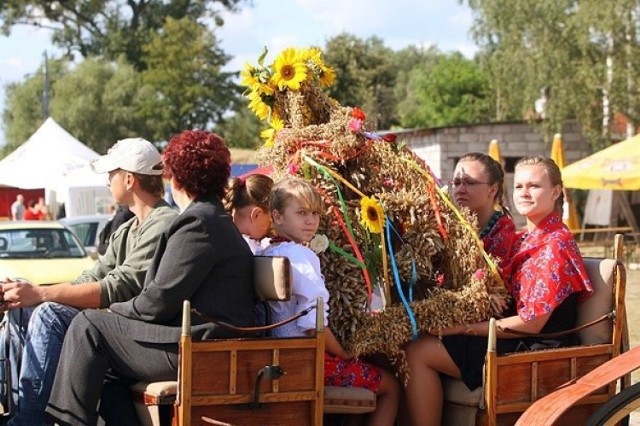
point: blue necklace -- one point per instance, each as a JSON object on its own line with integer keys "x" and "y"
{"x": 494, "y": 218}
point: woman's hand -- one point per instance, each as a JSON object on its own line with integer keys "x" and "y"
{"x": 498, "y": 304}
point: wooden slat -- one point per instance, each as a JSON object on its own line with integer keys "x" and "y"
{"x": 233, "y": 372}
{"x": 253, "y": 344}
{"x": 248, "y": 398}
{"x": 551, "y": 354}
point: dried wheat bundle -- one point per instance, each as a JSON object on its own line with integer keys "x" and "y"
{"x": 387, "y": 223}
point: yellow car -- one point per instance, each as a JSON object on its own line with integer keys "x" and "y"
{"x": 40, "y": 252}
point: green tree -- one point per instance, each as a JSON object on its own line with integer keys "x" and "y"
{"x": 406, "y": 60}
{"x": 109, "y": 28}
{"x": 366, "y": 76}
{"x": 184, "y": 85}
{"x": 446, "y": 89}
{"x": 97, "y": 103}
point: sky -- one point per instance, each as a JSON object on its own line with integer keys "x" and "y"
{"x": 284, "y": 23}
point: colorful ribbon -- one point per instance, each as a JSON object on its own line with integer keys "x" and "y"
{"x": 396, "y": 275}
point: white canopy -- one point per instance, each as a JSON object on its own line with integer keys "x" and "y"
{"x": 49, "y": 155}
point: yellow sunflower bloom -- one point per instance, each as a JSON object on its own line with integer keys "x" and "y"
{"x": 249, "y": 76}
{"x": 289, "y": 70}
{"x": 270, "y": 134}
{"x": 312, "y": 54}
{"x": 327, "y": 76}
{"x": 269, "y": 137}
{"x": 258, "y": 106}
{"x": 371, "y": 215}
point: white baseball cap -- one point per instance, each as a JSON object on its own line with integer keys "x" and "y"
{"x": 134, "y": 155}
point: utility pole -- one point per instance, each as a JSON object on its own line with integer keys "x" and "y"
{"x": 45, "y": 90}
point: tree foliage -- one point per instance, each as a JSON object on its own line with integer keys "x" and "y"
{"x": 184, "y": 85}
{"x": 444, "y": 89}
{"x": 366, "y": 76}
{"x": 109, "y": 28}
{"x": 97, "y": 103}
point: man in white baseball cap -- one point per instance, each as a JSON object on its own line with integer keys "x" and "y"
{"x": 134, "y": 155}
{"x": 135, "y": 179}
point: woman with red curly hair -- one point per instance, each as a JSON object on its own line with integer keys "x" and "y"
{"x": 201, "y": 257}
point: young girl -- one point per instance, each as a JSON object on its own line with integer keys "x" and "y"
{"x": 545, "y": 278}
{"x": 295, "y": 209}
{"x": 247, "y": 201}
{"x": 478, "y": 184}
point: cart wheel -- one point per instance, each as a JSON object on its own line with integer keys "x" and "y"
{"x": 618, "y": 408}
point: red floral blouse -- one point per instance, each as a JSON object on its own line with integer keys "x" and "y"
{"x": 545, "y": 269}
{"x": 499, "y": 240}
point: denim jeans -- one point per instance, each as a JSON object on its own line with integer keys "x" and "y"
{"x": 36, "y": 336}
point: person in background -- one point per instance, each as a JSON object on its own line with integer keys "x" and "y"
{"x": 45, "y": 214}
{"x": 32, "y": 212}
{"x": 201, "y": 257}
{"x": 295, "y": 209}
{"x": 478, "y": 184}
{"x": 40, "y": 315}
{"x": 17, "y": 208}
{"x": 545, "y": 278}
{"x": 247, "y": 201}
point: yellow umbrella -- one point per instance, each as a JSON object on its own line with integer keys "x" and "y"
{"x": 494, "y": 151}
{"x": 616, "y": 167}
{"x": 570, "y": 217}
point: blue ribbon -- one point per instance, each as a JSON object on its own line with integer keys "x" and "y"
{"x": 396, "y": 276}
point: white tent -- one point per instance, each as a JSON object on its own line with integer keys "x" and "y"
{"x": 45, "y": 158}
{"x": 52, "y": 159}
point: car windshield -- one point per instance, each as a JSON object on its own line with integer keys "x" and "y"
{"x": 40, "y": 243}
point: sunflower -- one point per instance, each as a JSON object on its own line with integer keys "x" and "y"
{"x": 371, "y": 215}
{"x": 258, "y": 106}
{"x": 290, "y": 71}
{"x": 270, "y": 134}
{"x": 249, "y": 76}
{"x": 311, "y": 54}
{"x": 327, "y": 76}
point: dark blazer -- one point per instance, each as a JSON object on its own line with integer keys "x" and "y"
{"x": 202, "y": 257}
